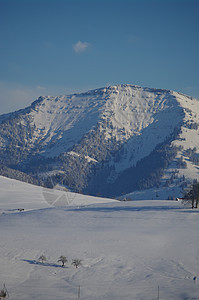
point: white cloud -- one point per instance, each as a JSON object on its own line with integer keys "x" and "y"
{"x": 41, "y": 88}
{"x": 80, "y": 47}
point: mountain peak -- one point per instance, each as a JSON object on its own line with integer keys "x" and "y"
{"x": 95, "y": 140}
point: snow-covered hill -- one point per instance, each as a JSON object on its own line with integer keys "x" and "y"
{"x": 110, "y": 141}
{"x": 129, "y": 250}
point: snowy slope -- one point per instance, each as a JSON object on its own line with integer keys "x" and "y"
{"x": 65, "y": 119}
{"x": 83, "y": 139}
{"x": 129, "y": 250}
{"x": 16, "y": 195}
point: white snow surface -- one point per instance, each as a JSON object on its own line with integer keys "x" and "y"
{"x": 129, "y": 250}
{"x": 65, "y": 119}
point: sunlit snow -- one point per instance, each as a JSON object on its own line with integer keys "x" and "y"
{"x": 129, "y": 250}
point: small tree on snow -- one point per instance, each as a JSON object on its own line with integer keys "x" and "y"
{"x": 4, "y": 293}
{"x": 42, "y": 258}
{"x": 63, "y": 260}
{"x": 76, "y": 262}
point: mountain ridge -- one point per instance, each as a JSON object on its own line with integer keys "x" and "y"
{"x": 88, "y": 141}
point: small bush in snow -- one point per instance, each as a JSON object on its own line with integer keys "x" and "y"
{"x": 4, "y": 293}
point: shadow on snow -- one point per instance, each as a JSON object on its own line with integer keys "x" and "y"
{"x": 44, "y": 264}
{"x": 126, "y": 208}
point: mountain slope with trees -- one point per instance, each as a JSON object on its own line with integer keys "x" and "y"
{"x": 110, "y": 141}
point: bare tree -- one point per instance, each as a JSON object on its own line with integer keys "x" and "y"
{"x": 42, "y": 258}
{"x": 76, "y": 262}
{"x": 62, "y": 259}
{"x": 191, "y": 195}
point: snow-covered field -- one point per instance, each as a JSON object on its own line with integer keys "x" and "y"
{"x": 129, "y": 250}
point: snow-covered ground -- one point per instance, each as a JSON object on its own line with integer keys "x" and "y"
{"x": 129, "y": 250}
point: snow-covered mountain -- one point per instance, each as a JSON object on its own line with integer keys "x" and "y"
{"x": 110, "y": 141}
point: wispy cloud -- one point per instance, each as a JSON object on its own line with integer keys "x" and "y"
{"x": 40, "y": 88}
{"x": 80, "y": 47}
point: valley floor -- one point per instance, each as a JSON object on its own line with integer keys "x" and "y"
{"x": 129, "y": 250}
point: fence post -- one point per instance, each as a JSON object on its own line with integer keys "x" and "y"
{"x": 78, "y": 297}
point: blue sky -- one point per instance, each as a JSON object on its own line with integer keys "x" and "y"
{"x": 54, "y": 47}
